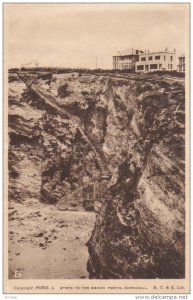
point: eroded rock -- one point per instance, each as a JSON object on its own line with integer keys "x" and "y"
{"x": 111, "y": 144}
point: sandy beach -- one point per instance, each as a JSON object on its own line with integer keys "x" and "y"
{"x": 46, "y": 243}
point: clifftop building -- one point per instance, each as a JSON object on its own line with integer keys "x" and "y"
{"x": 181, "y": 66}
{"x": 126, "y": 59}
{"x": 156, "y": 61}
{"x": 140, "y": 61}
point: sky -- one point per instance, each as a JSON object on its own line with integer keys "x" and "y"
{"x": 73, "y": 35}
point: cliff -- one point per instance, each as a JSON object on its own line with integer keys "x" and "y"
{"x": 126, "y": 134}
{"x": 139, "y": 232}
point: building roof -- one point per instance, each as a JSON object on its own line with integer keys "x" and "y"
{"x": 158, "y": 52}
{"x": 129, "y": 51}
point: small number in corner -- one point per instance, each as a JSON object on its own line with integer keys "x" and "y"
{"x": 17, "y": 274}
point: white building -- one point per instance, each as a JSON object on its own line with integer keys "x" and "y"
{"x": 126, "y": 59}
{"x": 181, "y": 66}
{"x": 156, "y": 61}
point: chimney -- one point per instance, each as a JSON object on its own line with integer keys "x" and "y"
{"x": 174, "y": 50}
{"x": 166, "y": 49}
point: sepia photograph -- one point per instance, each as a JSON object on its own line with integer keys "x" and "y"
{"x": 96, "y": 148}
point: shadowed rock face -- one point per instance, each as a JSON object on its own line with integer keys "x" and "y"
{"x": 139, "y": 232}
{"x": 137, "y": 127}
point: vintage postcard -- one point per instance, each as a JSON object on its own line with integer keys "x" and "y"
{"x": 96, "y": 148}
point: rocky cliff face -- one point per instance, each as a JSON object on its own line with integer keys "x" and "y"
{"x": 139, "y": 232}
{"x": 129, "y": 128}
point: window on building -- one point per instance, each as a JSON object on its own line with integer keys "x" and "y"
{"x": 171, "y": 58}
{"x": 140, "y": 68}
{"x": 160, "y": 66}
{"x": 153, "y": 66}
{"x": 157, "y": 57}
{"x": 150, "y": 57}
{"x": 164, "y": 57}
{"x": 143, "y": 59}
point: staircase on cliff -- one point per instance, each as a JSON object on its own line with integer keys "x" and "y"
{"x": 51, "y": 102}
{"x": 86, "y": 197}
